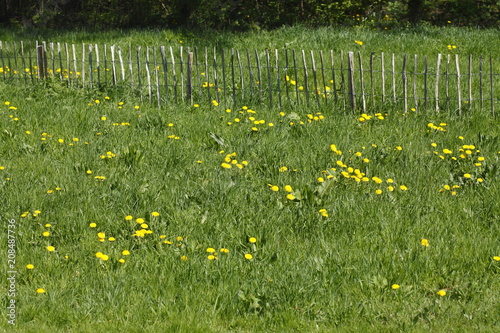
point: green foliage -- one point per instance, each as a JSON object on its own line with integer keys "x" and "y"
{"x": 248, "y": 14}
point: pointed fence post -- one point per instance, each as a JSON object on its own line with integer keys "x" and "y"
{"x": 350, "y": 80}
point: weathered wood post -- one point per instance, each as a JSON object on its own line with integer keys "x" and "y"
{"x": 350, "y": 80}
{"x": 189, "y": 83}
{"x": 41, "y": 60}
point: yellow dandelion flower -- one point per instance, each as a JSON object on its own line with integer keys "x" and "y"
{"x": 125, "y": 252}
{"x": 40, "y": 291}
{"x": 155, "y": 214}
{"x": 92, "y": 225}
{"x": 252, "y": 240}
{"x": 441, "y": 293}
{"x": 51, "y": 248}
{"x": 290, "y": 196}
{"x": 395, "y": 286}
{"x": 248, "y": 256}
{"x": 184, "y": 258}
{"x": 30, "y": 266}
{"x": 424, "y": 242}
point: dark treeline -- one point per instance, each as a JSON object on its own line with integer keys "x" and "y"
{"x": 245, "y": 14}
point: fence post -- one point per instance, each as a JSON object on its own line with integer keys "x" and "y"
{"x": 41, "y": 60}
{"x": 437, "y": 82}
{"x": 350, "y": 80}
{"x": 189, "y": 88}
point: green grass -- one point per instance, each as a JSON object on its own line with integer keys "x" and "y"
{"x": 308, "y": 272}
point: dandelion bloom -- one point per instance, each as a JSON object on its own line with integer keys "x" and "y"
{"x": 30, "y": 266}
{"x": 184, "y": 258}
{"x": 252, "y": 240}
{"x": 121, "y": 261}
{"x": 274, "y": 188}
{"x": 496, "y": 258}
{"x": 210, "y": 250}
{"x": 40, "y": 291}
{"x": 395, "y": 286}
{"x": 248, "y": 256}
{"x": 424, "y": 242}
{"x": 51, "y": 248}
{"x": 211, "y": 257}
{"x": 288, "y": 188}
{"x": 290, "y": 196}
{"x": 139, "y": 220}
{"x": 224, "y": 250}
{"x": 104, "y": 257}
{"x": 403, "y": 188}
{"x": 441, "y": 293}
{"x": 92, "y": 225}
{"x": 155, "y": 214}
{"x": 125, "y": 253}
{"x": 45, "y": 234}
{"x": 467, "y": 175}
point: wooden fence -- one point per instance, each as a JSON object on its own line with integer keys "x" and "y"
{"x": 346, "y": 80}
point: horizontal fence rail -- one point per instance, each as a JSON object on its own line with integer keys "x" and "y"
{"x": 351, "y": 80}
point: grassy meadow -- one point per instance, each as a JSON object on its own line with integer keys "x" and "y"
{"x": 202, "y": 218}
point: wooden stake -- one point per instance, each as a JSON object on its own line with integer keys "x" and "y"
{"x": 189, "y": 87}
{"x": 393, "y": 79}
{"x": 90, "y": 66}
{"x": 491, "y": 88}
{"x": 371, "y": 79}
{"x": 361, "y": 77}
{"x": 315, "y": 81}
{"x": 470, "y": 80}
{"x": 269, "y": 80}
{"x": 148, "y": 75}
{"x": 113, "y": 64}
{"x": 382, "y": 73}
{"x": 350, "y": 80}
{"x": 405, "y": 85}
{"x": 459, "y": 92}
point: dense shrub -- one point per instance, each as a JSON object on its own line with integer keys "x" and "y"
{"x": 246, "y": 14}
